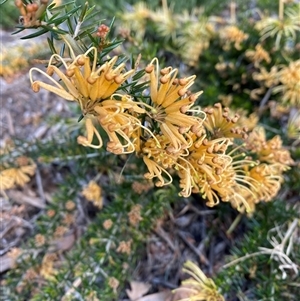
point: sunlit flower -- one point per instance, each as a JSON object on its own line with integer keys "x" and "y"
{"x": 236, "y": 187}
{"x": 16, "y": 175}
{"x": 258, "y": 55}
{"x": 289, "y": 78}
{"x": 81, "y": 82}
{"x": 270, "y": 151}
{"x": 220, "y": 124}
{"x": 158, "y": 159}
{"x": 232, "y": 34}
{"x": 249, "y": 122}
{"x": 268, "y": 78}
{"x": 94, "y": 89}
{"x": 277, "y": 110}
{"x": 208, "y": 161}
{"x": 171, "y": 105}
{"x": 93, "y": 193}
{"x": 255, "y": 182}
{"x": 199, "y": 287}
{"x": 267, "y": 179}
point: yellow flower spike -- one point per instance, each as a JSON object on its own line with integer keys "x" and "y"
{"x": 17, "y": 175}
{"x": 93, "y": 90}
{"x": 91, "y": 131}
{"x": 169, "y": 106}
{"x": 172, "y": 133}
{"x": 103, "y": 85}
{"x": 81, "y": 83}
{"x": 165, "y": 85}
{"x": 186, "y": 182}
{"x": 129, "y": 146}
{"x": 186, "y": 102}
{"x": 184, "y": 83}
{"x": 118, "y": 80}
{"x": 155, "y": 171}
{"x": 103, "y": 69}
{"x": 154, "y": 75}
{"x": 110, "y": 81}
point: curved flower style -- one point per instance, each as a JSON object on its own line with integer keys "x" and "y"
{"x": 119, "y": 125}
{"x": 209, "y": 162}
{"x": 94, "y": 90}
{"x": 159, "y": 157}
{"x": 259, "y": 183}
{"x": 270, "y": 151}
{"x": 170, "y": 104}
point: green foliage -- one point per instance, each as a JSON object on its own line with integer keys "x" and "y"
{"x": 9, "y": 14}
{"x": 94, "y": 259}
{"x": 95, "y": 264}
{"x": 259, "y": 276}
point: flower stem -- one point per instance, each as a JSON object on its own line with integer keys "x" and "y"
{"x": 281, "y": 10}
{"x": 234, "y": 224}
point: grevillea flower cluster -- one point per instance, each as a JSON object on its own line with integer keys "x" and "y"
{"x": 205, "y": 148}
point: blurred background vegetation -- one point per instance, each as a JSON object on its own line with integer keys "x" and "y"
{"x": 84, "y": 238}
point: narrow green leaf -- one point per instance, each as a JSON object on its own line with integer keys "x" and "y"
{"x": 36, "y": 34}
